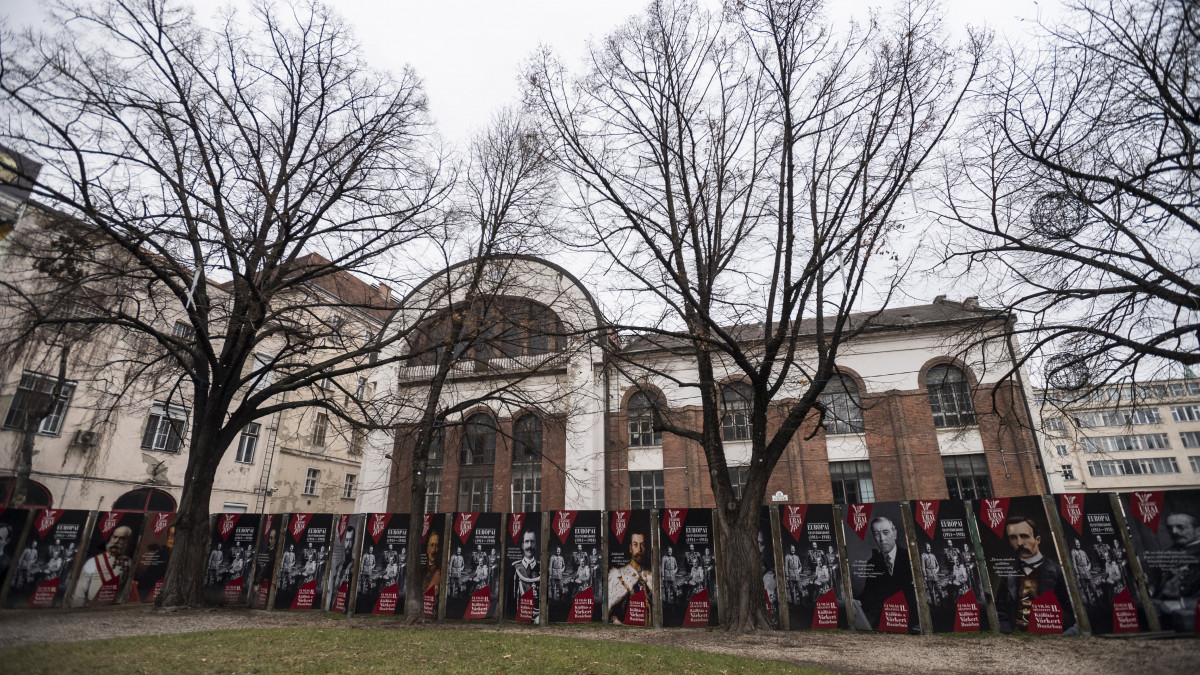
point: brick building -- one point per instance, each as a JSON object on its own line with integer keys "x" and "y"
{"x": 922, "y": 411}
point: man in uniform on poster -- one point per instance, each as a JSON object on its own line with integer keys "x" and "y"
{"x": 888, "y": 572}
{"x": 930, "y": 568}
{"x": 1083, "y": 572}
{"x": 528, "y": 572}
{"x": 1176, "y": 590}
{"x": 6, "y": 535}
{"x": 625, "y": 582}
{"x": 770, "y": 582}
{"x": 1035, "y": 574}
{"x": 366, "y": 580}
{"x": 111, "y": 563}
{"x": 215, "y": 558}
{"x": 433, "y": 562}
{"x": 558, "y": 567}
{"x": 458, "y": 570}
{"x": 669, "y": 571}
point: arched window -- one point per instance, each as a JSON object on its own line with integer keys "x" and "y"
{"x": 433, "y": 470}
{"x": 37, "y": 496}
{"x": 641, "y": 422}
{"x": 843, "y": 406}
{"x": 735, "y": 401}
{"x": 476, "y": 458}
{"x": 527, "y": 464}
{"x": 144, "y": 499}
{"x": 949, "y": 397}
{"x": 479, "y": 441}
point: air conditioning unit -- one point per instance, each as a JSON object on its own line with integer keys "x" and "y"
{"x": 85, "y": 439}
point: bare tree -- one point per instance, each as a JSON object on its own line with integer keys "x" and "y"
{"x": 1077, "y": 204}
{"x": 218, "y": 177}
{"x": 486, "y": 329}
{"x": 743, "y": 175}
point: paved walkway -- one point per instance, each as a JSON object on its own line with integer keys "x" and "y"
{"x": 834, "y": 650}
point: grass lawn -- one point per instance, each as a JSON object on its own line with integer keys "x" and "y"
{"x": 311, "y": 650}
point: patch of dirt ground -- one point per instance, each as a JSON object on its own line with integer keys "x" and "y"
{"x": 833, "y": 650}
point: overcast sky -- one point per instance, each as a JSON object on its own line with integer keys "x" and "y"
{"x": 468, "y": 51}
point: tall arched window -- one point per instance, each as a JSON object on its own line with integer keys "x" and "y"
{"x": 949, "y": 397}
{"x": 735, "y": 403}
{"x": 35, "y": 496}
{"x": 641, "y": 422}
{"x": 843, "y": 406}
{"x": 527, "y": 464}
{"x": 476, "y": 458}
{"x": 144, "y": 499}
{"x": 433, "y": 471}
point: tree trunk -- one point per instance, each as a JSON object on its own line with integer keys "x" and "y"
{"x": 38, "y": 406}
{"x": 743, "y": 597}
{"x": 183, "y": 584}
{"x": 414, "y": 598}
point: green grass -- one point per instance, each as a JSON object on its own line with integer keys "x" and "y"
{"x": 313, "y": 650}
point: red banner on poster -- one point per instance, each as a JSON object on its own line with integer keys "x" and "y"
{"x": 635, "y": 612}
{"x": 430, "y": 602}
{"x": 697, "y": 610}
{"x": 966, "y": 615}
{"x": 1071, "y": 506}
{"x": 43, "y": 596}
{"x": 389, "y": 597}
{"x": 305, "y": 595}
{"x": 582, "y": 607}
{"x": 563, "y": 520}
{"x": 793, "y": 518}
{"x": 479, "y": 604}
{"x": 46, "y": 520}
{"x": 525, "y": 607}
{"x": 994, "y": 513}
{"x": 926, "y": 516}
{"x": 108, "y": 522}
{"x": 1125, "y": 619}
{"x": 825, "y": 614}
{"x": 233, "y": 592}
{"x": 1045, "y": 615}
{"x": 299, "y": 524}
{"x": 339, "y": 600}
{"x": 619, "y": 524}
{"x": 227, "y": 522}
{"x": 161, "y": 522}
{"x": 894, "y": 618}
{"x": 857, "y": 517}
{"x": 672, "y": 523}
{"x": 1147, "y": 507}
{"x": 463, "y": 524}
{"x": 515, "y": 521}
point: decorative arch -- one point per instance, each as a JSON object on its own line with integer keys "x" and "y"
{"x": 143, "y": 500}
{"x": 922, "y": 377}
{"x": 38, "y": 495}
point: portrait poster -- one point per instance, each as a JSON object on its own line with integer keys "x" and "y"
{"x": 229, "y": 570}
{"x": 382, "y": 571}
{"x": 523, "y": 568}
{"x": 573, "y": 567}
{"x": 1097, "y": 554}
{"x": 1028, "y": 584}
{"x": 812, "y": 572}
{"x": 47, "y": 559}
{"x": 1165, "y": 528}
{"x": 341, "y": 561}
{"x": 880, "y": 569}
{"x": 630, "y": 595}
{"x": 108, "y": 559}
{"x": 473, "y": 570}
{"x": 946, "y": 560}
{"x": 264, "y": 560}
{"x": 766, "y": 553}
{"x": 153, "y": 554}
{"x": 431, "y": 561}
{"x": 304, "y": 562}
{"x": 688, "y": 573}
{"x": 12, "y": 524}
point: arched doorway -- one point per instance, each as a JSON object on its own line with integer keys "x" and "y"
{"x": 37, "y": 497}
{"x": 144, "y": 499}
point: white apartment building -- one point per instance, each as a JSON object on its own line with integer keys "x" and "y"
{"x": 1122, "y": 438}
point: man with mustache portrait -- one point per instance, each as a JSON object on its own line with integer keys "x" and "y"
{"x": 1035, "y": 573}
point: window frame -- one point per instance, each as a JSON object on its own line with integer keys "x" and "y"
{"x": 320, "y": 430}
{"x": 950, "y": 399}
{"x": 641, "y": 420}
{"x": 843, "y": 409}
{"x": 162, "y": 411}
{"x": 248, "y": 443}
{"x": 863, "y": 482}
{"x": 350, "y": 486}
{"x": 312, "y": 482}
{"x": 967, "y": 476}
{"x": 655, "y": 487}
{"x": 52, "y": 424}
{"x": 475, "y": 493}
{"x": 737, "y": 399}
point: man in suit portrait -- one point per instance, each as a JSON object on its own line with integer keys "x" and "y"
{"x": 1034, "y": 575}
{"x": 887, "y": 573}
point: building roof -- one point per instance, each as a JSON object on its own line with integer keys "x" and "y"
{"x": 941, "y": 312}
